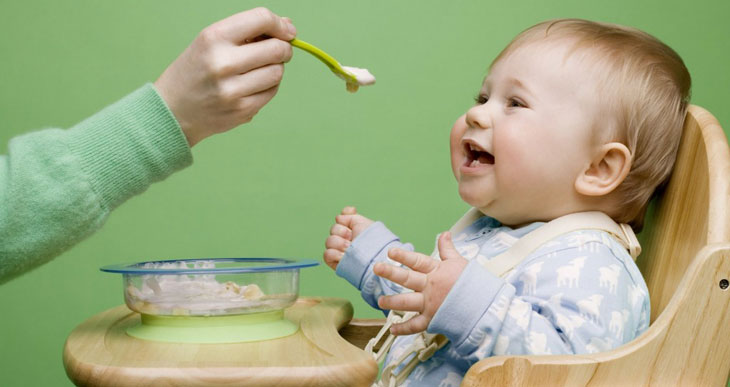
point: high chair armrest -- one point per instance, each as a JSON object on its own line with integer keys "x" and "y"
{"x": 687, "y": 345}
{"x": 360, "y": 330}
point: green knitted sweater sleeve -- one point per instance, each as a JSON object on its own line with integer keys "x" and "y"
{"x": 59, "y": 186}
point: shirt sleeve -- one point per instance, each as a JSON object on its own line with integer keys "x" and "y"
{"x": 59, "y": 186}
{"x": 576, "y": 300}
{"x": 356, "y": 266}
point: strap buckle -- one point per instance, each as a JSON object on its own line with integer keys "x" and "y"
{"x": 633, "y": 243}
{"x": 435, "y": 343}
{"x": 394, "y": 317}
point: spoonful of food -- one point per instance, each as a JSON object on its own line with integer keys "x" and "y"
{"x": 353, "y": 76}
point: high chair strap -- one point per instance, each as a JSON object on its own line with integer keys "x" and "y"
{"x": 590, "y": 220}
{"x": 394, "y": 317}
{"x": 426, "y": 344}
{"x": 593, "y": 220}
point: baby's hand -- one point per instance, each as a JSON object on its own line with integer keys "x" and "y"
{"x": 348, "y": 225}
{"x": 430, "y": 280}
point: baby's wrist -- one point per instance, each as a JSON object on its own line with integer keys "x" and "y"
{"x": 362, "y": 228}
{"x": 459, "y": 312}
{"x": 364, "y": 249}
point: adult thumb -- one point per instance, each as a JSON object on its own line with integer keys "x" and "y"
{"x": 447, "y": 250}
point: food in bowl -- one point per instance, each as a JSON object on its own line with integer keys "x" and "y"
{"x": 210, "y": 287}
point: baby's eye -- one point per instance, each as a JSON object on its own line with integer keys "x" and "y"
{"x": 481, "y": 99}
{"x": 514, "y": 102}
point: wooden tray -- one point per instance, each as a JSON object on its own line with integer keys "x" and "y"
{"x": 99, "y": 353}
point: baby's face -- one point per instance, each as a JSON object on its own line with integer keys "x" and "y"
{"x": 517, "y": 152}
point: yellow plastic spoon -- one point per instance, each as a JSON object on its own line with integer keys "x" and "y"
{"x": 351, "y": 79}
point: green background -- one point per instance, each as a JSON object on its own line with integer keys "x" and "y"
{"x": 273, "y": 187}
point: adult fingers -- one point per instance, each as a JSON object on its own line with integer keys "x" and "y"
{"x": 239, "y": 60}
{"x": 415, "y": 261}
{"x": 414, "y": 325}
{"x": 250, "y": 105}
{"x": 341, "y": 231}
{"x": 336, "y": 242}
{"x": 446, "y": 247}
{"x": 403, "y": 301}
{"x": 254, "y": 81}
{"x": 332, "y": 257}
{"x": 408, "y": 278}
{"x": 252, "y": 23}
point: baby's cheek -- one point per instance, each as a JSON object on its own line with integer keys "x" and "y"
{"x": 457, "y": 132}
{"x": 515, "y": 166}
{"x": 509, "y": 153}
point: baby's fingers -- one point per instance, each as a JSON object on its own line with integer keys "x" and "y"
{"x": 408, "y": 278}
{"x": 345, "y": 217}
{"x": 414, "y": 325}
{"x": 341, "y": 231}
{"x": 403, "y": 301}
{"x": 336, "y": 242}
{"x": 415, "y": 261}
{"x": 333, "y": 257}
{"x": 345, "y": 220}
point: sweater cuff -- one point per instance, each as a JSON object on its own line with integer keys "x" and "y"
{"x": 362, "y": 251}
{"x": 465, "y": 304}
{"x": 129, "y": 145}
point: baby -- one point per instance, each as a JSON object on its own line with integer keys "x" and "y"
{"x": 574, "y": 117}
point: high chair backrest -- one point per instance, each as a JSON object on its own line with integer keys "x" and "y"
{"x": 686, "y": 264}
{"x": 691, "y": 212}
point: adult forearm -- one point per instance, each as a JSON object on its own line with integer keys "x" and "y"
{"x": 59, "y": 186}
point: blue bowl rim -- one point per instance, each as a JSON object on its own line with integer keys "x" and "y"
{"x": 283, "y": 264}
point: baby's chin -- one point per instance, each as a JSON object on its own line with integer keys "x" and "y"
{"x": 474, "y": 200}
{"x": 491, "y": 208}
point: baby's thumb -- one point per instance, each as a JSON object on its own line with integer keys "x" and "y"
{"x": 447, "y": 250}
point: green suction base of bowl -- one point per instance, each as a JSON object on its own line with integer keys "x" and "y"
{"x": 213, "y": 329}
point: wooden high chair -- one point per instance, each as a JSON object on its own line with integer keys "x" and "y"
{"x": 686, "y": 264}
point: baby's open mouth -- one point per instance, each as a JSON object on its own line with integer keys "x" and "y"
{"x": 476, "y": 156}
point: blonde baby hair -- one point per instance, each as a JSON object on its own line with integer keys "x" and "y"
{"x": 644, "y": 89}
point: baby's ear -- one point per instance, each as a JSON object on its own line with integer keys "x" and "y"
{"x": 609, "y": 167}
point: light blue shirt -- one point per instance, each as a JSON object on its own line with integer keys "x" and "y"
{"x": 578, "y": 293}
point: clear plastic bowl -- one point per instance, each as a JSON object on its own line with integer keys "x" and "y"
{"x": 210, "y": 287}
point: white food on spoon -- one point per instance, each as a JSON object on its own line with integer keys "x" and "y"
{"x": 363, "y": 77}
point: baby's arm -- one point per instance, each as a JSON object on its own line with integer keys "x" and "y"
{"x": 355, "y": 244}
{"x": 431, "y": 281}
{"x": 577, "y": 301}
{"x": 348, "y": 225}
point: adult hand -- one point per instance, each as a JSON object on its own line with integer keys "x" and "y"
{"x": 229, "y": 72}
{"x": 430, "y": 280}
{"x": 348, "y": 225}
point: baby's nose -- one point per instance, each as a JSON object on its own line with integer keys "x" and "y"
{"x": 478, "y": 117}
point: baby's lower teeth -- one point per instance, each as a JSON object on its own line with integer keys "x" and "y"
{"x": 474, "y": 163}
